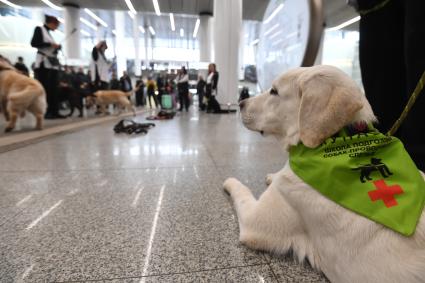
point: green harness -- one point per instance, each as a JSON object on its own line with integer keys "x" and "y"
{"x": 368, "y": 173}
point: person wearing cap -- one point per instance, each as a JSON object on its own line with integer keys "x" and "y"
{"x": 99, "y": 67}
{"x": 46, "y": 66}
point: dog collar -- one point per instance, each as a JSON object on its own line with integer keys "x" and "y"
{"x": 367, "y": 172}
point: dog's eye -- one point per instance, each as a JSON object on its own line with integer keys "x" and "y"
{"x": 273, "y": 91}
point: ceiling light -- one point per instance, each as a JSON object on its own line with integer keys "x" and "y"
{"x": 173, "y": 27}
{"x": 11, "y": 4}
{"x": 269, "y": 31}
{"x": 156, "y": 7}
{"x": 141, "y": 29}
{"x": 344, "y": 24}
{"x": 275, "y": 34}
{"x": 86, "y": 33}
{"x": 51, "y": 5}
{"x": 151, "y": 30}
{"x": 273, "y": 14}
{"x": 255, "y": 41}
{"x": 181, "y": 32}
{"x": 89, "y": 24}
{"x": 195, "y": 31}
{"x": 130, "y": 6}
{"x": 94, "y": 16}
{"x": 131, "y": 14}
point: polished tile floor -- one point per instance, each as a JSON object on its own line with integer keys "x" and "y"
{"x": 95, "y": 206}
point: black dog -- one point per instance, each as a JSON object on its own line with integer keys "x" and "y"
{"x": 72, "y": 98}
{"x": 375, "y": 165}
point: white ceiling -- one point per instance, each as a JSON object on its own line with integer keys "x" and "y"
{"x": 252, "y": 9}
{"x": 185, "y": 12}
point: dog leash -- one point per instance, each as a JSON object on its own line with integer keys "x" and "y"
{"x": 374, "y": 8}
{"x": 409, "y": 105}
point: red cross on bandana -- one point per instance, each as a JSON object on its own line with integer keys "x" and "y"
{"x": 385, "y": 193}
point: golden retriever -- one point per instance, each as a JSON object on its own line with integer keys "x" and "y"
{"x": 19, "y": 93}
{"x": 309, "y": 105}
{"x": 103, "y": 98}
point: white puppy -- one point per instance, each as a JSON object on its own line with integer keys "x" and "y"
{"x": 309, "y": 105}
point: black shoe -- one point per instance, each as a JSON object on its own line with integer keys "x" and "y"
{"x": 60, "y": 116}
{"x": 49, "y": 116}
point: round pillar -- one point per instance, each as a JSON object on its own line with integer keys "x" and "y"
{"x": 72, "y": 31}
{"x": 227, "y": 29}
{"x": 120, "y": 45}
{"x": 205, "y": 36}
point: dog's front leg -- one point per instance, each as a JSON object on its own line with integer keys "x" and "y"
{"x": 241, "y": 196}
{"x": 269, "y": 223}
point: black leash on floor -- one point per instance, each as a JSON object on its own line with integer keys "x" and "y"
{"x": 408, "y": 106}
{"x": 130, "y": 127}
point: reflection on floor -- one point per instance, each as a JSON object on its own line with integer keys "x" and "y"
{"x": 91, "y": 205}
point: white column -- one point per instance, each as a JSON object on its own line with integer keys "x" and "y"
{"x": 136, "y": 38}
{"x": 99, "y": 33}
{"x": 147, "y": 35}
{"x": 227, "y": 29}
{"x": 204, "y": 34}
{"x": 72, "y": 23}
{"x": 120, "y": 46}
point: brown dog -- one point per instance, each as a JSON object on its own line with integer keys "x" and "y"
{"x": 102, "y": 98}
{"x": 19, "y": 93}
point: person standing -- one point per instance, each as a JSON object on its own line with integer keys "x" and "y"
{"x": 150, "y": 89}
{"x": 140, "y": 88}
{"x": 183, "y": 89}
{"x": 125, "y": 82}
{"x": 393, "y": 32}
{"x": 99, "y": 67}
{"x": 21, "y": 67}
{"x": 46, "y": 66}
{"x": 211, "y": 89}
{"x": 114, "y": 84}
{"x": 200, "y": 90}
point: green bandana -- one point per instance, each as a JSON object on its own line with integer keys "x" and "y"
{"x": 368, "y": 173}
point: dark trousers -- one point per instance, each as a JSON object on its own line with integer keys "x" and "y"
{"x": 184, "y": 100}
{"x": 49, "y": 79}
{"x": 140, "y": 99}
{"x": 201, "y": 101}
{"x": 392, "y": 59}
{"x": 155, "y": 99}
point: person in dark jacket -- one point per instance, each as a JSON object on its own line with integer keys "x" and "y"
{"x": 114, "y": 84}
{"x": 140, "y": 89}
{"x": 200, "y": 90}
{"x": 21, "y": 67}
{"x": 182, "y": 81}
{"x": 99, "y": 67}
{"x": 125, "y": 82}
{"x": 211, "y": 89}
{"x": 46, "y": 66}
{"x": 392, "y": 60}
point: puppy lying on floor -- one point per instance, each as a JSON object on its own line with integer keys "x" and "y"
{"x": 309, "y": 105}
{"x": 19, "y": 93}
{"x": 103, "y": 98}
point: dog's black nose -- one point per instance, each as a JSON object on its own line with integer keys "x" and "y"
{"x": 242, "y": 104}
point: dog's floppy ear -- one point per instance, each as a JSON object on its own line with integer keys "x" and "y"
{"x": 325, "y": 109}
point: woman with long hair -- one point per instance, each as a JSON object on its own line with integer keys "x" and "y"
{"x": 211, "y": 89}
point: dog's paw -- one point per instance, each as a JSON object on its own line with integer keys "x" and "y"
{"x": 269, "y": 179}
{"x": 8, "y": 129}
{"x": 230, "y": 184}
